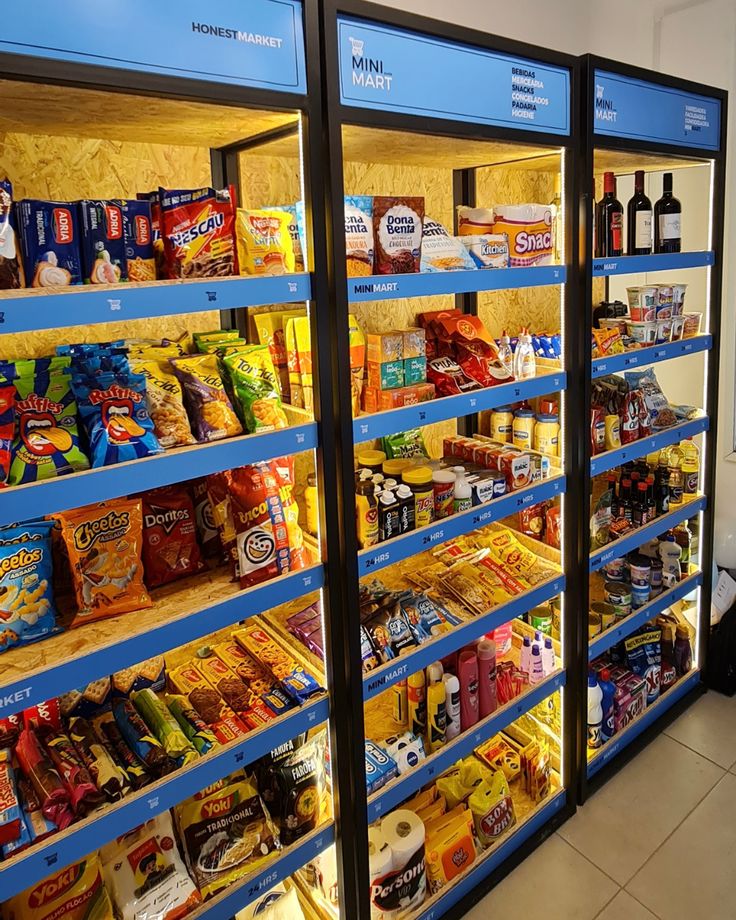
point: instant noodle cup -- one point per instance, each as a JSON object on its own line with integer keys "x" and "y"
{"x": 665, "y": 300}
{"x": 664, "y": 330}
{"x": 643, "y": 333}
{"x": 678, "y": 299}
{"x": 678, "y": 326}
{"x": 642, "y": 303}
{"x": 255, "y": 387}
{"x": 210, "y": 411}
{"x": 691, "y": 326}
{"x": 264, "y": 242}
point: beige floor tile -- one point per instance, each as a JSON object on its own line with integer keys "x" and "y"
{"x": 692, "y": 874}
{"x": 709, "y": 727}
{"x": 624, "y": 907}
{"x": 555, "y": 882}
{"x": 620, "y": 827}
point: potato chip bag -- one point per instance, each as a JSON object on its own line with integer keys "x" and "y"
{"x": 264, "y": 242}
{"x": 492, "y": 808}
{"x": 104, "y": 545}
{"x": 46, "y": 439}
{"x": 165, "y": 400}
{"x": 74, "y": 893}
{"x": 7, "y": 428}
{"x": 256, "y": 388}
{"x": 271, "y": 330}
{"x": 170, "y": 546}
{"x": 210, "y": 411}
{"x": 27, "y": 608}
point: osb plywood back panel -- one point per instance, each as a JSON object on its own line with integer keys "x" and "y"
{"x": 267, "y": 180}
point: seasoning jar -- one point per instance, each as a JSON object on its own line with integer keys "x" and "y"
{"x": 523, "y": 428}
{"x": 393, "y": 469}
{"x": 419, "y": 480}
{"x": 371, "y": 459}
{"x": 502, "y": 421}
{"x": 547, "y": 434}
{"x": 443, "y": 488}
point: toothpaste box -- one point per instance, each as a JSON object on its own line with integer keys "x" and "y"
{"x": 49, "y": 236}
{"x": 140, "y": 262}
{"x": 103, "y": 242}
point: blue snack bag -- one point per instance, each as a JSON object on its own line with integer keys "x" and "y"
{"x": 27, "y": 610}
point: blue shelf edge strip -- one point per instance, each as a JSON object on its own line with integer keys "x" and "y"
{"x": 22, "y": 503}
{"x": 426, "y": 284}
{"x": 612, "y": 458}
{"x": 383, "y": 554}
{"x": 368, "y": 427}
{"x": 87, "y": 305}
{"x": 78, "y": 672}
{"x": 484, "y": 867}
{"x": 653, "y": 354}
{"x": 635, "y": 539}
{"x": 386, "y": 800}
{"x": 643, "y": 615}
{"x": 296, "y": 857}
{"x": 659, "y": 262}
{"x": 76, "y": 842}
{"x": 614, "y": 747}
{"x": 381, "y": 679}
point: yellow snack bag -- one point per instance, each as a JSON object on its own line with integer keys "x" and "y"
{"x": 357, "y": 362}
{"x": 292, "y": 362}
{"x": 492, "y": 808}
{"x": 421, "y": 800}
{"x": 264, "y": 242}
{"x": 165, "y": 399}
{"x": 75, "y": 893}
{"x": 436, "y": 810}
{"x": 255, "y": 388}
{"x": 450, "y": 851}
{"x": 303, "y": 336}
{"x": 210, "y": 410}
{"x": 459, "y": 784}
{"x": 271, "y": 331}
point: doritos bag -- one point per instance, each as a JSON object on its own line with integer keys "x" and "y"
{"x": 170, "y": 547}
{"x": 198, "y": 232}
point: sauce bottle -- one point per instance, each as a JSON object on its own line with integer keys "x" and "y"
{"x": 463, "y": 497}
{"x": 683, "y": 538}
{"x": 366, "y": 514}
{"x": 629, "y": 419}
{"x": 405, "y": 498}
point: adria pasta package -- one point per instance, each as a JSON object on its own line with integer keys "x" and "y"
{"x": 264, "y": 242}
{"x": 529, "y": 231}
{"x": 198, "y": 230}
{"x": 210, "y": 411}
{"x": 75, "y": 893}
{"x": 255, "y": 387}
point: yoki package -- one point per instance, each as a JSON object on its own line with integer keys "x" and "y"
{"x": 113, "y": 408}
{"x": 46, "y": 438}
{"x": 210, "y": 411}
{"x": 27, "y": 608}
{"x": 359, "y": 245}
{"x": 170, "y": 547}
{"x": 442, "y": 252}
{"x": 49, "y": 233}
{"x": 265, "y": 244}
{"x": 140, "y": 263}
{"x": 397, "y": 229}
{"x": 198, "y": 230}
{"x": 529, "y": 231}
{"x": 102, "y": 242}
{"x": 76, "y": 892}
{"x": 11, "y": 275}
{"x": 226, "y": 835}
{"x": 255, "y": 388}
{"x": 145, "y": 875}
{"x": 164, "y": 399}
{"x": 104, "y": 545}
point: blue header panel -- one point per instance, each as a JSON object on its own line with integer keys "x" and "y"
{"x": 625, "y": 107}
{"x": 394, "y": 70}
{"x": 259, "y": 43}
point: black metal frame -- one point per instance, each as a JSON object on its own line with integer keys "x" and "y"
{"x": 463, "y": 190}
{"x": 590, "y": 142}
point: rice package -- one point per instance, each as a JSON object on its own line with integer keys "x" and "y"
{"x": 27, "y": 611}
{"x": 210, "y": 410}
{"x": 442, "y": 252}
{"x": 359, "y": 244}
{"x": 145, "y": 875}
{"x": 529, "y": 231}
{"x": 76, "y": 892}
{"x": 264, "y": 242}
{"x": 256, "y": 388}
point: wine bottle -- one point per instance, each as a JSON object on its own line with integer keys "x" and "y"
{"x": 667, "y": 214}
{"x": 639, "y": 219}
{"x": 609, "y": 229}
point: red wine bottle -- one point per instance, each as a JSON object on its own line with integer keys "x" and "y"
{"x": 639, "y": 219}
{"x": 609, "y": 231}
{"x": 667, "y": 214}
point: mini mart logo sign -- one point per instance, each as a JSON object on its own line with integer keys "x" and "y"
{"x": 605, "y": 110}
{"x": 368, "y": 72}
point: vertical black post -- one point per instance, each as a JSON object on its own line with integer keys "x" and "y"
{"x": 464, "y": 193}
{"x": 223, "y": 171}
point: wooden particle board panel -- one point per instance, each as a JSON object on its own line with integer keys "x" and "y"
{"x": 624, "y": 161}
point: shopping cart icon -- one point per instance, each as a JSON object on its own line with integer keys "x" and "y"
{"x": 211, "y": 296}
{"x": 114, "y": 304}
{"x": 599, "y": 91}
{"x": 357, "y": 46}
{"x": 292, "y": 287}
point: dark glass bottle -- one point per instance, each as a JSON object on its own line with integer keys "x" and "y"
{"x": 651, "y": 500}
{"x": 639, "y": 506}
{"x": 625, "y": 504}
{"x": 639, "y": 219}
{"x": 612, "y": 482}
{"x": 663, "y": 491}
{"x": 667, "y": 219}
{"x": 609, "y": 221}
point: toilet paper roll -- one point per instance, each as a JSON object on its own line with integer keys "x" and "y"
{"x": 404, "y": 833}
{"x": 379, "y": 853}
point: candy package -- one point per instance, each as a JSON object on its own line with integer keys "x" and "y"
{"x": 44, "y": 778}
{"x": 198, "y": 230}
{"x": 255, "y": 387}
{"x": 27, "y": 610}
{"x": 265, "y": 244}
{"x": 84, "y": 795}
{"x": 492, "y": 808}
{"x": 210, "y": 410}
{"x": 170, "y": 547}
{"x": 133, "y": 767}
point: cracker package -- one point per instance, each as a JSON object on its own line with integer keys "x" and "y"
{"x": 11, "y": 274}
{"x": 271, "y": 331}
{"x": 442, "y": 252}
{"x": 49, "y": 235}
{"x": 198, "y": 230}
{"x": 164, "y": 399}
{"x": 397, "y": 229}
{"x": 104, "y": 545}
{"x": 170, "y": 547}
{"x": 140, "y": 262}
{"x": 210, "y": 411}
{"x": 102, "y": 241}
{"x": 359, "y": 240}
{"x": 146, "y": 675}
{"x": 75, "y": 893}
{"x": 27, "y": 611}
{"x": 264, "y": 242}
{"x": 255, "y": 388}
{"x": 226, "y": 835}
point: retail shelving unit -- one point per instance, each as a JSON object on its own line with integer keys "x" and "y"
{"x": 640, "y": 120}
{"x": 181, "y": 102}
{"x": 402, "y": 120}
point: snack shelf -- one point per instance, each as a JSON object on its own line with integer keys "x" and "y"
{"x": 239, "y": 895}
{"x": 659, "y": 262}
{"x": 652, "y": 354}
{"x": 613, "y": 458}
{"x": 37, "y": 499}
{"x": 35, "y": 863}
{"x": 386, "y": 799}
{"x": 31, "y": 309}
{"x": 634, "y": 539}
{"x": 368, "y": 427}
{"x": 416, "y": 541}
{"x": 448, "y": 897}
{"x": 624, "y": 738}
{"x": 382, "y": 678}
{"x": 643, "y": 615}
{"x": 184, "y": 612}
{"x": 427, "y": 284}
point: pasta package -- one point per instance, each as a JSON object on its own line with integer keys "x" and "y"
{"x": 210, "y": 411}
{"x": 138, "y": 234}
{"x": 104, "y": 546}
{"x": 76, "y": 892}
{"x": 27, "y": 610}
{"x": 442, "y": 252}
{"x": 265, "y": 244}
{"x": 256, "y": 388}
{"x": 164, "y": 399}
{"x": 198, "y": 232}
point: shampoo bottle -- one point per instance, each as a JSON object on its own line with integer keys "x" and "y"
{"x": 436, "y": 713}
{"x": 467, "y": 673}
{"x": 487, "y": 693}
{"x": 417, "y": 703}
{"x": 452, "y": 706}
{"x": 536, "y": 673}
{"x": 548, "y": 656}
{"x": 525, "y": 661}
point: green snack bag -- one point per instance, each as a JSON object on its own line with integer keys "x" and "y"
{"x": 405, "y": 444}
{"x": 164, "y": 726}
{"x": 255, "y": 387}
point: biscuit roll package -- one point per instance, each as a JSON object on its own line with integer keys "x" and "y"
{"x": 109, "y": 778}
{"x": 192, "y": 725}
{"x": 44, "y": 778}
{"x": 10, "y": 809}
{"x": 133, "y": 767}
{"x": 76, "y": 892}
{"x": 140, "y": 739}
{"x": 164, "y": 726}
{"x": 83, "y": 793}
{"x": 397, "y": 228}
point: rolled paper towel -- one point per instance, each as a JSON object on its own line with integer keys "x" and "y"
{"x": 404, "y": 887}
{"x": 381, "y": 863}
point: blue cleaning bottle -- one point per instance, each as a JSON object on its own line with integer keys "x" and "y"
{"x": 608, "y": 687}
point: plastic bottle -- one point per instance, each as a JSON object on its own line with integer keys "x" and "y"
{"x": 463, "y": 498}
{"x": 546, "y": 438}
{"x": 670, "y": 552}
{"x": 505, "y": 354}
{"x": 502, "y": 421}
{"x": 690, "y": 469}
{"x": 467, "y": 673}
{"x": 416, "y": 694}
{"x": 525, "y": 661}
{"x": 595, "y": 712}
{"x": 683, "y": 538}
{"x": 548, "y": 656}
{"x": 401, "y": 703}
{"x": 405, "y": 498}
{"x": 311, "y": 503}
{"x": 536, "y": 674}
{"x": 683, "y": 650}
{"x": 608, "y": 690}
{"x": 525, "y": 364}
{"x": 488, "y": 694}
{"x": 366, "y": 514}
{"x": 389, "y": 516}
{"x": 674, "y": 464}
{"x": 436, "y": 713}
{"x": 443, "y": 488}
{"x": 452, "y": 706}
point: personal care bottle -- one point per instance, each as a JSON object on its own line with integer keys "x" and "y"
{"x": 548, "y": 656}
{"x": 452, "y": 706}
{"x": 436, "y": 712}
{"x": 525, "y": 661}
{"x": 608, "y": 690}
{"x": 536, "y": 674}
{"x": 487, "y": 690}
{"x": 467, "y": 673}
{"x": 417, "y": 703}
{"x": 595, "y": 712}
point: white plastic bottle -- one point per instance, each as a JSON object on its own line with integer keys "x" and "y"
{"x": 595, "y": 712}
{"x": 525, "y": 364}
{"x": 548, "y": 656}
{"x": 463, "y": 493}
{"x": 525, "y": 662}
{"x": 536, "y": 671}
{"x": 452, "y": 706}
{"x": 505, "y": 354}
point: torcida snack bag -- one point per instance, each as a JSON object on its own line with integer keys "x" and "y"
{"x": 397, "y": 228}
{"x": 198, "y": 230}
{"x": 210, "y": 411}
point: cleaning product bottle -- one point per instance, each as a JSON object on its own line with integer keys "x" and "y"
{"x": 488, "y": 694}
{"x": 683, "y": 650}
{"x": 548, "y": 656}
{"x": 525, "y": 662}
{"x": 452, "y": 706}
{"x": 536, "y": 673}
{"x": 436, "y": 712}
{"x": 505, "y": 354}
{"x": 463, "y": 498}
{"x": 595, "y": 712}
{"x": 417, "y": 703}
{"x": 690, "y": 469}
{"x": 608, "y": 691}
{"x": 467, "y": 673}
